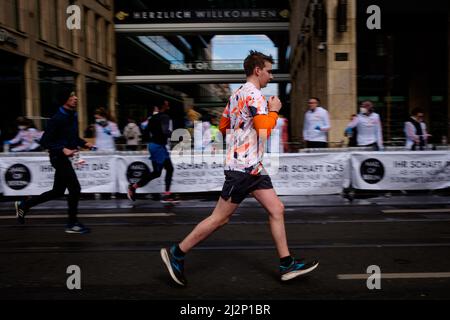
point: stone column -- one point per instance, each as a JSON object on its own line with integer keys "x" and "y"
{"x": 419, "y": 82}
{"x": 341, "y": 77}
{"x": 82, "y": 104}
{"x": 112, "y": 98}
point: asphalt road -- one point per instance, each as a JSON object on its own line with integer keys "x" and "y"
{"x": 120, "y": 258}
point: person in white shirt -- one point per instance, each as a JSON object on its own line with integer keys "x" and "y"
{"x": 368, "y": 124}
{"x": 105, "y": 131}
{"x": 416, "y": 131}
{"x": 316, "y": 125}
{"x": 27, "y": 138}
{"x": 132, "y": 133}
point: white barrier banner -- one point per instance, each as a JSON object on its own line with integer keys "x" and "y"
{"x": 34, "y": 175}
{"x": 130, "y": 169}
{"x": 308, "y": 174}
{"x": 201, "y": 174}
{"x": 291, "y": 174}
{"x": 406, "y": 170}
{"x": 296, "y": 175}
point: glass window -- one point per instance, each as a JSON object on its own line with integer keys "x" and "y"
{"x": 163, "y": 47}
{"x": 12, "y": 92}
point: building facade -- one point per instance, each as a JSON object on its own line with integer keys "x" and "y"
{"x": 46, "y": 45}
{"x": 331, "y": 53}
{"x": 393, "y": 53}
{"x": 169, "y": 51}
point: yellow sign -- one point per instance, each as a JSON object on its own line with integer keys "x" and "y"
{"x": 121, "y": 15}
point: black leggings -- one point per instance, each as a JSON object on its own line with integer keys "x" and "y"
{"x": 156, "y": 173}
{"x": 65, "y": 178}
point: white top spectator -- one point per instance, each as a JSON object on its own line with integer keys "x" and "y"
{"x": 369, "y": 129}
{"x": 132, "y": 133}
{"x": 104, "y": 136}
{"x": 316, "y": 124}
{"x": 28, "y": 139}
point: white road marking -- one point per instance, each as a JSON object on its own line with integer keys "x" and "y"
{"x": 419, "y": 275}
{"x": 416, "y": 211}
{"x": 97, "y": 215}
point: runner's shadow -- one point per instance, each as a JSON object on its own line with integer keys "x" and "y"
{"x": 166, "y": 280}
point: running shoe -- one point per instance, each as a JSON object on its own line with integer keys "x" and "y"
{"x": 21, "y": 211}
{"x": 297, "y": 268}
{"x": 76, "y": 228}
{"x": 174, "y": 265}
{"x": 169, "y": 198}
{"x": 131, "y": 194}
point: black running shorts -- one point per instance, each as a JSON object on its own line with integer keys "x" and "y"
{"x": 238, "y": 185}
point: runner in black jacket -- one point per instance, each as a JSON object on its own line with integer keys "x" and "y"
{"x": 62, "y": 141}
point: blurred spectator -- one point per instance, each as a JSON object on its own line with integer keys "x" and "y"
{"x": 132, "y": 134}
{"x": 206, "y": 131}
{"x": 106, "y": 131}
{"x": 316, "y": 125}
{"x": 368, "y": 124}
{"x": 352, "y": 134}
{"x": 282, "y": 125}
{"x": 215, "y": 132}
{"x": 202, "y": 134}
{"x": 278, "y": 140}
{"x": 416, "y": 131}
{"x": 27, "y": 139}
{"x": 191, "y": 117}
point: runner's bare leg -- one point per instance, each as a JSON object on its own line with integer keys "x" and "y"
{"x": 270, "y": 201}
{"x": 219, "y": 217}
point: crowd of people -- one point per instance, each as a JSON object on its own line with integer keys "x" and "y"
{"x": 363, "y": 130}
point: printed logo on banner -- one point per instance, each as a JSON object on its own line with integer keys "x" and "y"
{"x": 136, "y": 170}
{"x": 17, "y": 177}
{"x": 372, "y": 171}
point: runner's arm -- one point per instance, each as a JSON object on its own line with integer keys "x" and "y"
{"x": 265, "y": 121}
{"x": 225, "y": 120}
{"x": 224, "y": 125}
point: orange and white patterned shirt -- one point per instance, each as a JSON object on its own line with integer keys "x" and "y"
{"x": 244, "y": 150}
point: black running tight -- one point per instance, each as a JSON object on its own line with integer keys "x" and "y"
{"x": 65, "y": 178}
{"x": 156, "y": 173}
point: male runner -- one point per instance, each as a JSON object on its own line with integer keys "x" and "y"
{"x": 159, "y": 128}
{"x": 247, "y": 111}
{"x": 62, "y": 141}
